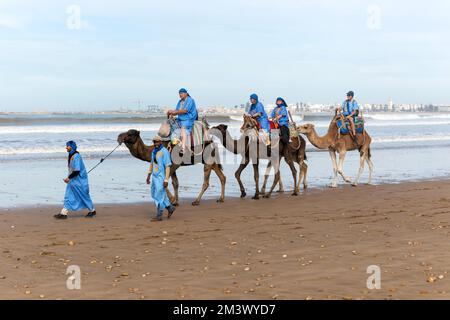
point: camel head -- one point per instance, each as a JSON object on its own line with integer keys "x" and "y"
{"x": 306, "y": 128}
{"x": 249, "y": 123}
{"x": 221, "y": 127}
{"x": 130, "y": 137}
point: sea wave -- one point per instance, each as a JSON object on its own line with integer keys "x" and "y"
{"x": 98, "y": 148}
{"x": 378, "y": 123}
{"x": 405, "y": 116}
{"x": 30, "y": 120}
{"x": 55, "y": 129}
{"x": 56, "y": 150}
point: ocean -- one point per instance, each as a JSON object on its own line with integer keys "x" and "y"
{"x": 33, "y": 161}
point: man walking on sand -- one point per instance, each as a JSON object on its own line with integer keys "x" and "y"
{"x": 158, "y": 174}
{"x": 77, "y": 191}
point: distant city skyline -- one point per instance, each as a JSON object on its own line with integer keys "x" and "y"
{"x": 61, "y": 55}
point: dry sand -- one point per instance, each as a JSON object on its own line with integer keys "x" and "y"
{"x": 315, "y": 246}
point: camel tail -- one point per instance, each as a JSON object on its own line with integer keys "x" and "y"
{"x": 369, "y": 154}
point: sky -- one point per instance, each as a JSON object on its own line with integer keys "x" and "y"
{"x": 97, "y": 55}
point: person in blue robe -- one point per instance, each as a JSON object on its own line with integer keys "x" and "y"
{"x": 158, "y": 175}
{"x": 350, "y": 109}
{"x": 77, "y": 190}
{"x": 281, "y": 119}
{"x": 258, "y": 112}
{"x": 186, "y": 112}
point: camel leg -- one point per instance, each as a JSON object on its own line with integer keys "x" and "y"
{"x": 175, "y": 185}
{"x": 206, "y": 175}
{"x": 223, "y": 179}
{"x": 237, "y": 174}
{"x": 334, "y": 162}
{"x": 256, "y": 177}
{"x": 362, "y": 159}
{"x": 342, "y": 155}
{"x": 302, "y": 175}
{"x": 171, "y": 197}
{"x": 370, "y": 164}
{"x": 276, "y": 180}
{"x": 294, "y": 175}
{"x": 266, "y": 177}
{"x": 280, "y": 183}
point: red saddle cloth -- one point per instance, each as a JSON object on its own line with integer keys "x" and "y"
{"x": 273, "y": 125}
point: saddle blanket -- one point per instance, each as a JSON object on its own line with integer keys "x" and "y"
{"x": 198, "y": 135}
{"x": 345, "y": 128}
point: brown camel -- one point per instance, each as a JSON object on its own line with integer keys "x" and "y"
{"x": 340, "y": 143}
{"x": 252, "y": 149}
{"x": 209, "y": 157}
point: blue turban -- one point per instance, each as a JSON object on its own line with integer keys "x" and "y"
{"x": 283, "y": 103}
{"x": 73, "y": 145}
{"x": 182, "y": 90}
{"x": 254, "y": 96}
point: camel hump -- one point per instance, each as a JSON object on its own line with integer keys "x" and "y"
{"x": 164, "y": 130}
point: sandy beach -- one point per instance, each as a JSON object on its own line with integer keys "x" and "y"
{"x": 315, "y": 246}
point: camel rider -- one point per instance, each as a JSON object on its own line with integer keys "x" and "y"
{"x": 77, "y": 190}
{"x": 186, "y": 111}
{"x": 281, "y": 119}
{"x": 257, "y": 112}
{"x": 159, "y": 173}
{"x": 350, "y": 110}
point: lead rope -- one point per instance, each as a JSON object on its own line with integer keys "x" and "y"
{"x": 103, "y": 159}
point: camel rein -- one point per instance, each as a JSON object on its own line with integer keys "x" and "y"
{"x": 103, "y": 159}
{"x": 298, "y": 137}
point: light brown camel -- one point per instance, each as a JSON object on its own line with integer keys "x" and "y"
{"x": 340, "y": 143}
{"x": 208, "y": 157}
{"x": 252, "y": 149}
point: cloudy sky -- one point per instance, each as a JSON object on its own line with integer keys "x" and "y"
{"x": 84, "y": 55}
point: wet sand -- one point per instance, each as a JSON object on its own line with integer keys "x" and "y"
{"x": 314, "y": 246}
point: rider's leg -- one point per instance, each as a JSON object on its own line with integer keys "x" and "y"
{"x": 352, "y": 125}
{"x": 183, "y": 138}
{"x": 285, "y": 135}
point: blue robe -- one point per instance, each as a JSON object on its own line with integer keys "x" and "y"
{"x": 263, "y": 120}
{"x": 349, "y": 107}
{"x": 158, "y": 192}
{"x": 77, "y": 191}
{"x": 281, "y": 111}
{"x": 187, "y": 120}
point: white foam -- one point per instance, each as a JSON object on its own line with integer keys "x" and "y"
{"x": 54, "y": 150}
{"x": 405, "y": 116}
{"x": 77, "y": 128}
{"x": 394, "y": 139}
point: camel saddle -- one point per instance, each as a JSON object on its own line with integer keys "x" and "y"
{"x": 171, "y": 131}
{"x": 344, "y": 126}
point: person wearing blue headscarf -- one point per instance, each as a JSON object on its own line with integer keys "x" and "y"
{"x": 77, "y": 191}
{"x": 280, "y": 117}
{"x": 158, "y": 174}
{"x": 257, "y": 111}
{"x": 186, "y": 112}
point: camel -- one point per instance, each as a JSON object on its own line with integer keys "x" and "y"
{"x": 340, "y": 143}
{"x": 295, "y": 152}
{"x": 139, "y": 150}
